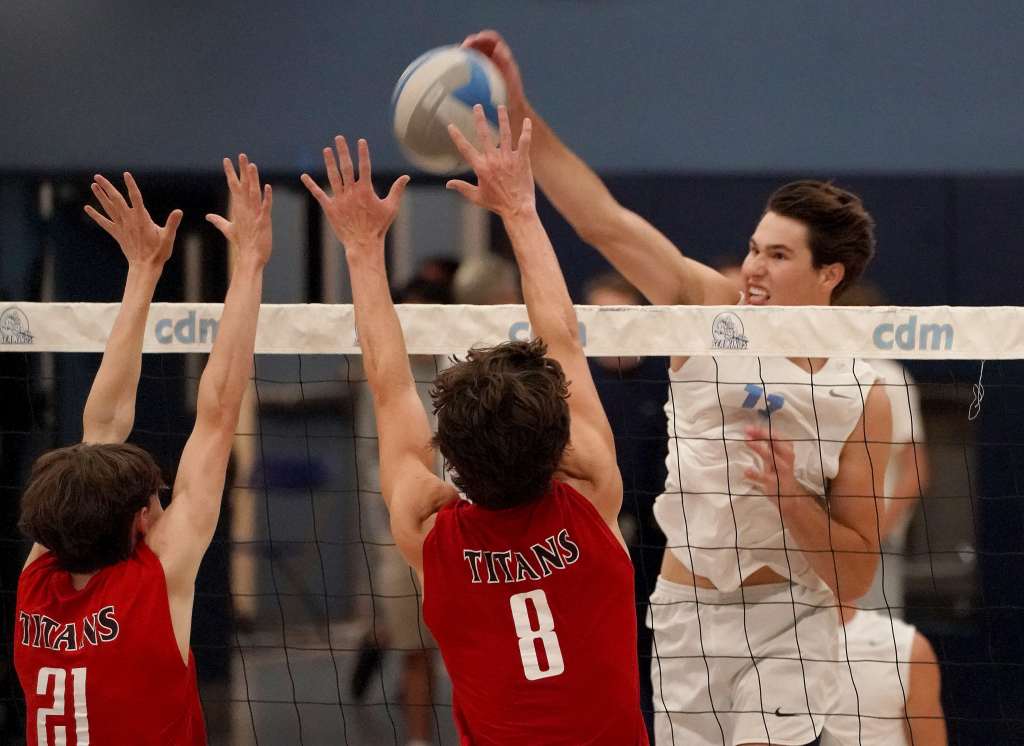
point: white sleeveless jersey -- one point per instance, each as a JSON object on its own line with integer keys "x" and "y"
{"x": 716, "y": 522}
{"x": 873, "y": 690}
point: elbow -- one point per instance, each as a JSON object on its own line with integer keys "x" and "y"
{"x": 109, "y": 431}
{"x": 854, "y": 576}
{"x": 113, "y": 429}
{"x": 217, "y": 410}
{"x": 563, "y": 339}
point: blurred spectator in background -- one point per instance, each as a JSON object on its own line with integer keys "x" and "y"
{"x": 488, "y": 279}
{"x": 633, "y": 391}
{"x": 395, "y": 611}
{"x": 434, "y": 277}
{"x": 907, "y": 477}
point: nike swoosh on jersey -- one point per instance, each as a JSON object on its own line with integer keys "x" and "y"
{"x": 840, "y": 394}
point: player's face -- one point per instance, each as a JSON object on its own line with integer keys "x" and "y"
{"x": 779, "y": 268}
{"x": 610, "y": 297}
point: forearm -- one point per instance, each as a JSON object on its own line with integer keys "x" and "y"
{"x": 385, "y": 359}
{"x": 927, "y": 730}
{"x": 110, "y": 409}
{"x": 839, "y": 555}
{"x": 552, "y": 316}
{"x": 638, "y": 250}
{"x": 228, "y": 370}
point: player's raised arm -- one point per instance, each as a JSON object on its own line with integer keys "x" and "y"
{"x": 644, "y": 255}
{"x": 181, "y": 537}
{"x": 110, "y": 409}
{"x": 505, "y": 186}
{"x": 360, "y": 220}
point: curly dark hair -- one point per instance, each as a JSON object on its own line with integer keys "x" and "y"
{"x": 502, "y": 422}
{"x": 839, "y": 229}
{"x": 81, "y": 501}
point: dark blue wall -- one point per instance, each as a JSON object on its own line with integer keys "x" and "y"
{"x": 649, "y": 85}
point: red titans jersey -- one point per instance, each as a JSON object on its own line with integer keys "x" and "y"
{"x": 532, "y": 608}
{"x": 100, "y": 666}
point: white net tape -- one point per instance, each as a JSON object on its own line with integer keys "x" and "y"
{"x": 934, "y": 332}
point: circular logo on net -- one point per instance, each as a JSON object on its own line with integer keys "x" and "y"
{"x": 727, "y": 332}
{"x": 14, "y": 327}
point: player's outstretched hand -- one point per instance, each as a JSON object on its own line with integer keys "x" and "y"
{"x": 143, "y": 242}
{"x": 249, "y": 226}
{"x": 504, "y": 176}
{"x": 357, "y": 215}
{"x": 491, "y": 44}
{"x": 775, "y": 474}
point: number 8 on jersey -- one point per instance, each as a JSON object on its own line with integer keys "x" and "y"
{"x": 528, "y": 636}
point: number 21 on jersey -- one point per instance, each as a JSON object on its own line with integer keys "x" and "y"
{"x": 60, "y": 691}
{"x": 529, "y": 637}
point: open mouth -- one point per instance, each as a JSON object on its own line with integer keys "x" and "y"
{"x": 756, "y": 295}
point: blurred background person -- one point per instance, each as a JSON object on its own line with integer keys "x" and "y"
{"x": 392, "y": 608}
{"x": 487, "y": 279}
{"x": 633, "y": 391}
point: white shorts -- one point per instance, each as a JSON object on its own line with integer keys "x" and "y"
{"x": 750, "y": 666}
{"x": 874, "y": 687}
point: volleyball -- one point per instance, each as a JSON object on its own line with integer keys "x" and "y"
{"x": 440, "y": 87}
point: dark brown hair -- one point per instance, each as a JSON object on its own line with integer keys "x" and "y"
{"x": 502, "y": 422}
{"x": 81, "y": 502}
{"x": 839, "y": 229}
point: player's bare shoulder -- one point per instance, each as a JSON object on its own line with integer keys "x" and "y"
{"x": 413, "y": 508}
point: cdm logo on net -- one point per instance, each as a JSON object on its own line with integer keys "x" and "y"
{"x": 910, "y": 335}
{"x": 187, "y": 329}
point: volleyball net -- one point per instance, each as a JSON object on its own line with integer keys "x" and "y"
{"x": 305, "y": 617}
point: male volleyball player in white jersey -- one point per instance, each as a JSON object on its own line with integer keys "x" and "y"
{"x": 773, "y": 464}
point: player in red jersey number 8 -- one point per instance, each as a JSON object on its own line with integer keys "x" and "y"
{"x": 527, "y": 586}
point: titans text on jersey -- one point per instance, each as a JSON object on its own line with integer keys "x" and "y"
{"x": 40, "y": 631}
{"x": 510, "y": 566}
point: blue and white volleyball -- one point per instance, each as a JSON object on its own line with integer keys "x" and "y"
{"x": 438, "y": 88}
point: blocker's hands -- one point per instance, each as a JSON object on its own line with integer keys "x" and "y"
{"x": 248, "y": 226}
{"x": 357, "y": 215}
{"x": 142, "y": 241}
{"x": 504, "y": 175}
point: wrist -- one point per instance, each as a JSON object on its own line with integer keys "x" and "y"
{"x": 145, "y": 270}
{"x": 795, "y": 501}
{"x": 247, "y": 264}
{"x": 364, "y": 250}
{"x": 523, "y": 214}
